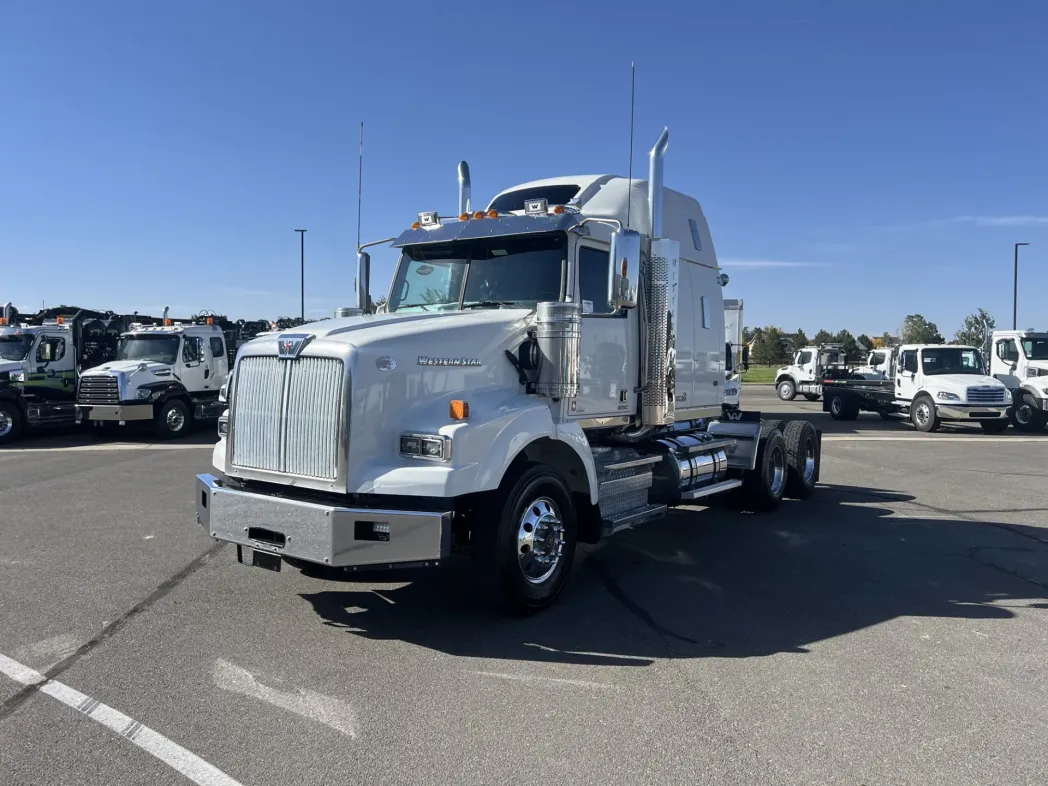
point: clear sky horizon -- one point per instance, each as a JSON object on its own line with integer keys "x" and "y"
{"x": 856, "y": 162}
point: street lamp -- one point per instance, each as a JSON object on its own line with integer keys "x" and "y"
{"x": 1015, "y": 289}
{"x": 302, "y": 264}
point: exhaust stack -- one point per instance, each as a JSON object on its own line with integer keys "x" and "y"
{"x": 163, "y": 319}
{"x": 7, "y": 312}
{"x": 655, "y": 161}
{"x": 464, "y": 188}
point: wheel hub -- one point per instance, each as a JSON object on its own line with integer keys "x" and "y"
{"x": 7, "y": 424}
{"x": 1024, "y": 414}
{"x": 175, "y": 420}
{"x": 923, "y": 415}
{"x": 777, "y": 462}
{"x": 809, "y": 460}
{"x": 540, "y": 540}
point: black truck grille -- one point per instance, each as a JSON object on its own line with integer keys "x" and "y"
{"x": 98, "y": 390}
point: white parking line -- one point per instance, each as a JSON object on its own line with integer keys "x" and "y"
{"x": 152, "y": 742}
{"x": 112, "y": 446}
{"x": 943, "y": 440}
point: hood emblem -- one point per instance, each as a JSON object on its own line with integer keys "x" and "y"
{"x": 386, "y": 363}
{"x": 290, "y": 345}
{"x": 426, "y": 360}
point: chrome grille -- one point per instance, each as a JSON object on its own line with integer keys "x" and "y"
{"x": 102, "y": 389}
{"x": 286, "y": 416}
{"x": 986, "y": 395}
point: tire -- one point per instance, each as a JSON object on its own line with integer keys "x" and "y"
{"x": 535, "y": 501}
{"x": 768, "y": 426}
{"x": 802, "y": 453}
{"x": 811, "y": 397}
{"x": 763, "y": 486}
{"x": 172, "y": 420}
{"x": 10, "y": 422}
{"x": 1025, "y": 414}
{"x": 994, "y": 426}
{"x": 923, "y": 415}
{"x": 786, "y": 389}
{"x": 841, "y": 409}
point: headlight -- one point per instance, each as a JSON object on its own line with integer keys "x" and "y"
{"x": 223, "y": 424}
{"x": 434, "y": 448}
{"x": 222, "y": 392}
{"x": 942, "y": 395}
{"x": 144, "y": 394}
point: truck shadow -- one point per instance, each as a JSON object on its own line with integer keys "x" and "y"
{"x": 204, "y": 433}
{"x": 725, "y": 584}
{"x": 875, "y": 425}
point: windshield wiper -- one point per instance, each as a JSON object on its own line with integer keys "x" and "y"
{"x": 490, "y": 303}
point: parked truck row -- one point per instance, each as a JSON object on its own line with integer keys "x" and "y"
{"x": 59, "y": 368}
{"x": 549, "y": 371}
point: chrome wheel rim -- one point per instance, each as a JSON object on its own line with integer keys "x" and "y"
{"x": 836, "y": 405}
{"x": 7, "y": 423}
{"x": 923, "y": 414}
{"x": 784, "y": 390}
{"x": 540, "y": 540}
{"x": 174, "y": 419}
{"x": 777, "y": 460}
{"x": 1024, "y": 414}
{"x": 809, "y": 460}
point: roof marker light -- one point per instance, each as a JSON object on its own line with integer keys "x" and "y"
{"x": 464, "y": 217}
{"x": 493, "y": 214}
{"x": 558, "y": 210}
{"x": 479, "y": 214}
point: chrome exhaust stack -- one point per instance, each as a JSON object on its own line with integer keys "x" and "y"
{"x": 464, "y": 188}
{"x": 658, "y": 399}
{"x": 7, "y": 312}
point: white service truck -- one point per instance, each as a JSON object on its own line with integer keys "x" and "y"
{"x": 545, "y": 375}
{"x": 41, "y": 356}
{"x": 1019, "y": 359}
{"x": 930, "y": 383}
{"x": 736, "y": 355}
{"x": 810, "y": 365}
{"x": 878, "y": 363}
{"x": 168, "y": 374}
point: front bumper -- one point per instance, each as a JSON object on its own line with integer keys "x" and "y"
{"x": 971, "y": 411}
{"x": 322, "y": 534}
{"x": 124, "y": 411}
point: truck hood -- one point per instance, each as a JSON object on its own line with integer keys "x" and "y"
{"x": 128, "y": 366}
{"x": 959, "y": 383}
{"x": 10, "y": 365}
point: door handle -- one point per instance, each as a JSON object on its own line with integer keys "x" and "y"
{"x": 207, "y": 373}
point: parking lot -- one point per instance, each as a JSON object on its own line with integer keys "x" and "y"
{"x": 892, "y": 630}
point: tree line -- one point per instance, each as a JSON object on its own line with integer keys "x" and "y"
{"x": 771, "y": 344}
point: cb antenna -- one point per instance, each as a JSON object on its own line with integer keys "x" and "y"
{"x": 633, "y": 92}
{"x": 360, "y": 178}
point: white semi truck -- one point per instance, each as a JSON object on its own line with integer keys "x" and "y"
{"x": 1019, "y": 359}
{"x": 168, "y": 374}
{"x": 545, "y": 375}
{"x": 736, "y": 354}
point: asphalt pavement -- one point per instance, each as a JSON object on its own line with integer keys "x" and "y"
{"x": 891, "y": 630}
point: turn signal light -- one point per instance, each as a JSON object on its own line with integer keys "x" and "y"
{"x": 210, "y": 320}
{"x": 3, "y": 320}
{"x": 168, "y": 322}
{"x": 459, "y": 410}
{"x": 60, "y": 320}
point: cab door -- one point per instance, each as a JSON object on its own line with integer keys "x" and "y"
{"x": 52, "y": 376}
{"x": 906, "y": 377}
{"x": 1005, "y": 362}
{"x": 607, "y": 371}
{"x": 219, "y": 361}
{"x": 197, "y": 369}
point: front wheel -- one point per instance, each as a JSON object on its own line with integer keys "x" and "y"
{"x": 532, "y": 547}
{"x": 10, "y": 422}
{"x": 1025, "y": 415}
{"x": 787, "y": 390}
{"x": 923, "y": 415}
{"x": 172, "y": 420}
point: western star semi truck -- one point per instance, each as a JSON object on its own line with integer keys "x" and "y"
{"x": 550, "y": 371}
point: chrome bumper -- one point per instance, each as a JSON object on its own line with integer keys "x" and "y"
{"x": 323, "y": 534}
{"x": 972, "y": 412}
{"x": 125, "y": 412}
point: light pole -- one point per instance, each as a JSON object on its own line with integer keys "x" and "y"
{"x": 302, "y": 264}
{"x": 1015, "y": 289}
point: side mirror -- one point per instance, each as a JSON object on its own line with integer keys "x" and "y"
{"x": 624, "y": 269}
{"x": 745, "y": 358}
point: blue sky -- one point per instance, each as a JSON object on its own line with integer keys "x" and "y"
{"x": 857, "y": 162}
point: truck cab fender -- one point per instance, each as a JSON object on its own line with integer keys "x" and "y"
{"x": 11, "y": 393}
{"x": 1040, "y": 400}
{"x": 530, "y": 434}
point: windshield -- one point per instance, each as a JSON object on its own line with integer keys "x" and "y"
{"x": 15, "y": 347}
{"x": 951, "y": 360}
{"x": 516, "y": 271}
{"x": 160, "y": 349}
{"x": 1036, "y": 348}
